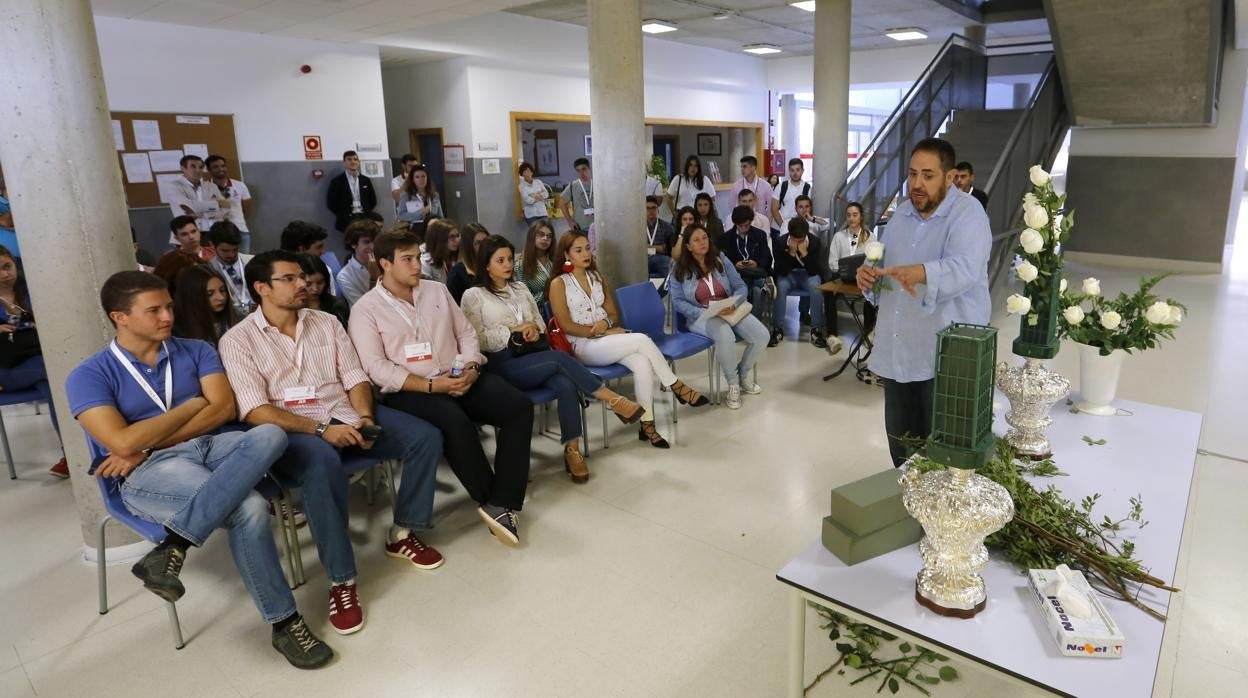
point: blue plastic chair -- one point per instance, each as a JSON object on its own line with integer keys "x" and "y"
{"x": 335, "y": 265}
{"x": 606, "y": 374}
{"x": 16, "y": 397}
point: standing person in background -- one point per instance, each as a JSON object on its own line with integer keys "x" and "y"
{"x": 236, "y": 193}
{"x": 785, "y": 202}
{"x": 320, "y": 296}
{"x": 534, "y": 265}
{"x": 419, "y": 200}
{"x": 202, "y": 308}
{"x": 463, "y": 275}
{"x": 684, "y": 189}
{"x": 578, "y": 197}
{"x": 231, "y": 264}
{"x": 533, "y": 195}
{"x": 773, "y": 181}
{"x": 8, "y": 233}
{"x": 964, "y": 180}
{"x": 660, "y": 241}
{"x": 751, "y": 181}
{"x": 360, "y": 273}
{"x": 192, "y": 195}
{"x": 442, "y": 245}
{"x": 396, "y": 184}
{"x": 21, "y": 356}
{"x": 350, "y": 194}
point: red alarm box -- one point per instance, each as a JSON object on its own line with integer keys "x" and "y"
{"x": 776, "y": 162}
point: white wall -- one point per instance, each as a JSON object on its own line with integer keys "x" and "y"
{"x": 151, "y": 66}
{"x": 427, "y": 95}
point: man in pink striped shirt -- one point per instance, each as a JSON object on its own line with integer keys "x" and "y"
{"x": 296, "y": 368}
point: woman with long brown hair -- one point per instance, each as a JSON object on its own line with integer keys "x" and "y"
{"x": 534, "y": 265}
{"x": 464, "y": 274}
{"x": 442, "y": 246}
{"x": 419, "y": 200}
{"x": 582, "y": 302}
{"x": 201, "y": 305}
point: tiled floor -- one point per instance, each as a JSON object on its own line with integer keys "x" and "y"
{"x": 654, "y": 579}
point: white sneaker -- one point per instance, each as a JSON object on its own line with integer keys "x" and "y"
{"x": 835, "y": 345}
{"x": 734, "y": 397}
{"x": 750, "y": 387}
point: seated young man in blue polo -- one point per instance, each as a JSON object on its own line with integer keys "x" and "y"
{"x": 152, "y": 404}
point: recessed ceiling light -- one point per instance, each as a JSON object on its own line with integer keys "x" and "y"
{"x": 657, "y": 26}
{"x": 760, "y": 49}
{"x": 808, "y": 5}
{"x": 722, "y": 15}
{"x": 905, "y": 33}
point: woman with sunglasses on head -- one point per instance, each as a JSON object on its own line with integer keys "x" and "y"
{"x": 201, "y": 305}
{"x": 419, "y": 200}
{"x": 320, "y": 297}
{"x": 534, "y": 265}
{"x": 464, "y": 273}
{"x": 442, "y": 248}
{"x": 584, "y": 306}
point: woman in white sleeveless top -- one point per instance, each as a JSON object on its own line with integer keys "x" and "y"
{"x": 586, "y": 312}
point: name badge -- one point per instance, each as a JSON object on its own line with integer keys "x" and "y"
{"x": 299, "y": 395}
{"x": 421, "y": 351}
{"x": 413, "y": 206}
{"x": 652, "y": 250}
{"x": 589, "y": 211}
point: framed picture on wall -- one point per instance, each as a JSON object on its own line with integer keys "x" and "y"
{"x": 710, "y": 144}
{"x": 546, "y": 153}
{"x": 371, "y": 168}
{"x": 453, "y": 159}
{"x": 589, "y": 145}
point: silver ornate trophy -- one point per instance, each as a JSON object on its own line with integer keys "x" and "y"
{"x": 1032, "y": 390}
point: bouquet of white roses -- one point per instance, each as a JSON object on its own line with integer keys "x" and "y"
{"x": 1136, "y": 321}
{"x": 1039, "y": 266}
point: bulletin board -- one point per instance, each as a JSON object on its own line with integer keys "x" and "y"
{"x": 135, "y": 133}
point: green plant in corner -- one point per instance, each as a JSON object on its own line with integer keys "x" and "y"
{"x": 658, "y": 170}
{"x": 860, "y": 645}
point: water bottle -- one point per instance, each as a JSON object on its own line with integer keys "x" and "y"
{"x": 457, "y": 366}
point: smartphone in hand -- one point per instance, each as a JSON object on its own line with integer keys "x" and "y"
{"x": 370, "y": 432}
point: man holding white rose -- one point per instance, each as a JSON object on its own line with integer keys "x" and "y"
{"x": 934, "y": 271}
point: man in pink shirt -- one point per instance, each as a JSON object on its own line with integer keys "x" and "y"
{"x": 409, "y": 334}
{"x": 296, "y": 368}
{"x": 751, "y": 181}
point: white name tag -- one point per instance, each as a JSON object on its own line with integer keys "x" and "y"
{"x": 299, "y": 395}
{"x": 413, "y": 206}
{"x": 420, "y": 351}
{"x": 589, "y": 211}
{"x": 652, "y": 250}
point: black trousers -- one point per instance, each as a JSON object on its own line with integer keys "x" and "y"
{"x": 907, "y": 412}
{"x": 493, "y": 401}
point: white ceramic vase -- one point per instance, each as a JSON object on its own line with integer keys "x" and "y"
{"x": 1098, "y": 380}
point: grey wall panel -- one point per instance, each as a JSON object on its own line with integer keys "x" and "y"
{"x": 1160, "y": 207}
{"x": 496, "y": 200}
{"x": 460, "y": 198}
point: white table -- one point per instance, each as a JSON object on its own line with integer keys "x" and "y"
{"x": 1151, "y": 453}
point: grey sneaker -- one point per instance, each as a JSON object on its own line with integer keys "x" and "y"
{"x": 749, "y": 387}
{"x": 300, "y": 647}
{"x": 503, "y": 523}
{"x": 734, "y": 397}
{"x": 159, "y": 570}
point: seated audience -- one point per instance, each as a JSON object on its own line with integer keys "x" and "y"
{"x": 464, "y": 273}
{"x": 507, "y": 324}
{"x": 849, "y": 241}
{"x": 295, "y": 368}
{"x": 745, "y": 197}
{"x": 533, "y": 195}
{"x": 422, "y": 353}
{"x": 584, "y": 306}
{"x": 534, "y": 266}
{"x": 749, "y": 250}
{"x": 201, "y": 306}
{"x": 152, "y": 403}
{"x": 320, "y": 296}
{"x": 360, "y": 273}
{"x": 660, "y": 240}
{"x": 685, "y": 217}
{"x": 231, "y": 263}
{"x": 8, "y": 233}
{"x": 173, "y": 264}
{"x": 188, "y": 237}
{"x": 816, "y": 225}
{"x": 706, "y": 214}
{"x": 442, "y": 248}
{"x": 419, "y": 200}
{"x": 302, "y": 236}
{"x": 800, "y": 262}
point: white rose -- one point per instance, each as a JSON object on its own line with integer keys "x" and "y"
{"x": 1030, "y": 200}
{"x": 1018, "y": 305}
{"x": 1027, "y": 272}
{"x": 1091, "y": 286}
{"x": 1032, "y": 241}
{"x": 1038, "y": 176}
{"x": 874, "y": 250}
{"x": 1110, "y": 320}
{"x": 1176, "y": 315}
{"x": 1036, "y": 217}
{"x": 1073, "y": 314}
{"x": 1062, "y": 288}
{"x": 1158, "y": 313}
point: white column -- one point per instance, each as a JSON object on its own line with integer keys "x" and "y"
{"x": 616, "y": 105}
{"x": 68, "y": 204}
{"x": 790, "y": 127}
{"x": 831, "y": 100}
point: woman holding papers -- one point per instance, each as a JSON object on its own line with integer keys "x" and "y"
{"x": 709, "y": 293}
{"x": 584, "y": 307}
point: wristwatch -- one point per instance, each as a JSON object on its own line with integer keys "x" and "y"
{"x": 320, "y": 428}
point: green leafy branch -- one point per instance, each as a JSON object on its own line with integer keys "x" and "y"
{"x": 859, "y": 645}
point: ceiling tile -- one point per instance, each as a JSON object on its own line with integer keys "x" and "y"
{"x": 187, "y": 12}
{"x": 123, "y": 8}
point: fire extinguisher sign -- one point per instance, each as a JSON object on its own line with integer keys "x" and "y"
{"x": 312, "y": 148}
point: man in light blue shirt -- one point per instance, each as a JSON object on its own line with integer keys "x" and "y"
{"x": 936, "y": 248}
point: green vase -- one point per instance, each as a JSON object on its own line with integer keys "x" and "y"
{"x": 1039, "y": 341}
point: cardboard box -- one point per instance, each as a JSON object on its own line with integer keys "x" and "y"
{"x": 852, "y": 548}
{"x": 1097, "y": 636}
{"x": 869, "y": 504}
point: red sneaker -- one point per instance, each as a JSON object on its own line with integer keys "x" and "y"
{"x": 345, "y": 612}
{"x": 61, "y": 470}
{"x": 411, "y": 548}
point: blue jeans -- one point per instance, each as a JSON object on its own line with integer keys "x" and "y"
{"x": 29, "y": 374}
{"x": 550, "y": 369}
{"x": 725, "y": 336}
{"x": 316, "y": 466}
{"x": 658, "y": 266}
{"x": 207, "y": 483}
{"x": 798, "y": 278}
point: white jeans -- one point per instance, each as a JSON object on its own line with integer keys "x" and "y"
{"x": 634, "y": 351}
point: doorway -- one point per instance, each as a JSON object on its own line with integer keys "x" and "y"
{"x": 668, "y": 148}
{"x": 426, "y": 145}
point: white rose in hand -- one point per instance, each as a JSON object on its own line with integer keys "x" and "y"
{"x": 1027, "y": 272}
{"x": 1073, "y": 314}
{"x": 1018, "y": 305}
{"x": 1031, "y": 241}
{"x": 1038, "y": 176}
{"x": 1035, "y": 217}
{"x": 1176, "y": 315}
{"x": 1110, "y": 320}
{"x": 874, "y": 251}
{"x": 1091, "y": 286}
{"x": 1158, "y": 313}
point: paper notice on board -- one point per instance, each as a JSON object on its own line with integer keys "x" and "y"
{"x": 146, "y": 134}
{"x": 164, "y": 184}
{"x": 166, "y": 160}
{"x": 197, "y": 120}
{"x": 200, "y": 149}
{"x": 137, "y": 167}
{"x": 118, "y": 140}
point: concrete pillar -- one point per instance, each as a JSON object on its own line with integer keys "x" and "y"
{"x": 975, "y": 32}
{"x": 731, "y": 167}
{"x": 790, "y": 128}
{"x": 68, "y": 204}
{"x": 617, "y": 120}
{"x": 831, "y": 100}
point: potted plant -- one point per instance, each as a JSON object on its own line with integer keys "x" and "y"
{"x": 1107, "y": 329}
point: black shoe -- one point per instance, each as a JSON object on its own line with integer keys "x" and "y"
{"x": 805, "y": 318}
{"x": 776, "y": 336}
{"x": 300, "y": 647}
{"x": 817, "y": 338}
{"x": 159, "y": 572}
{"x": 647, "y": 432}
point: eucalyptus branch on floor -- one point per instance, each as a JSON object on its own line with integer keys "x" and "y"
{"x": 859, "y": 644}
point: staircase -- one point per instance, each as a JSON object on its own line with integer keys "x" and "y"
{"x": 979, "y": 137}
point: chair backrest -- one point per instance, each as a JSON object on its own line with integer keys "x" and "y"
{"x": 110, "y": 491}
{"x": 18, "y": 397}
{"x": 641, "y": 309}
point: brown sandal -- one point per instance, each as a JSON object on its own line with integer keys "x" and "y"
{"x": 574, "y": 463}
{"x": 647, "y": 432}
{"x": 687, "y": 395}
{"x": 627, "y": 410}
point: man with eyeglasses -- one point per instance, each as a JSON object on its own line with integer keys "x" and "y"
{"x": 227, "y": 239}
{"x": 296, "y": 368}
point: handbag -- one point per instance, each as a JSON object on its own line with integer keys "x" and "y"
{"x": 555, "y": 337}
{"x": 17, "y": 346}
{"x": 519, "y": 347}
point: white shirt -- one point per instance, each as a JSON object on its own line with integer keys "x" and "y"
{"x": 653, "y": 186}
{"x": 236, "y": 192}
{"x": 788, "y": 207}
{"x": 202, "y": 199}
{"x": 845, "y": 244}
{"x": 397, "y": 183}
{"x": 684, "y": 192}
{"x": 584, "y": 309}
{"x": 533, "y": 207}
{"x": 354, "y": 280}
{"x": 353, "y": 182}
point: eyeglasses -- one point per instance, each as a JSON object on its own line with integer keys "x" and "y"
{"x": 290, "y": 278}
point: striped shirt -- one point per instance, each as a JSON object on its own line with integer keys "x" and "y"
{"x": 262, "y": 364}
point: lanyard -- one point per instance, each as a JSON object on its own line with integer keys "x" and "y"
{"x": 589, "y": 195}
{"x": 517, "y": 310}
{"x": 745, "y": 251}
{"x": 710, "y": 284}
{"x": 417, "y": 327}
{"x": 745, "y": 184}
{"x": 652, "y": 233}
{"x": 147, "y": 388}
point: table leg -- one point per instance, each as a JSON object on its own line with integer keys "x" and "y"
{"x": 797, "y": 644}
